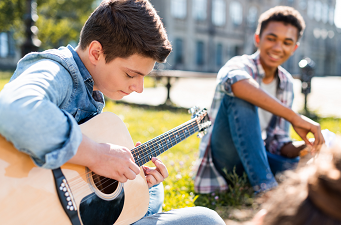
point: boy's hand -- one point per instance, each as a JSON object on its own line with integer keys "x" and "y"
{"x": 303, "y": 125}
{"x": 116, "y": 162}
{"x": 108, "y": 160}
{"x": 155, "y": 175}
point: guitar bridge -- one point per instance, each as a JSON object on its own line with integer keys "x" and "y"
{"x": 65, "y": 196}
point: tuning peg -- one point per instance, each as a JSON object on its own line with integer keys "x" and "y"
{"x": 194, "y": 110}
{"x": 201, "y": 133}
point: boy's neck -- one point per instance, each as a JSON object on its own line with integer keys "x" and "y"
{"x": 269, "y": 76}
{"x": 269, "y": 73}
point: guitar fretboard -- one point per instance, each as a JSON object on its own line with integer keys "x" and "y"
{"x": 156, "y": 146}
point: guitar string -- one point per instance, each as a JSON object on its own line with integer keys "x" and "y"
{"x": 189, "y": 126}
{"x": 153, "y": 151}
{"x": 105, "y": 180}
{"x": 183, "y": 127}
{"x": 137, "y": 147}
{"x": 136, "y": 151}
{"x": 108, "y": 179}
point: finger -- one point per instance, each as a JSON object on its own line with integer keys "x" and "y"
{"x": 160, "y": 167}
{"x": 133, "y": 167}
{"x": 151, "y": 180}
{"x": 137, "y": 143}
{"x": 145, "y": 168}
{"x": 129, "y": 174}
{"x": 122, "y": 179}
{"x": 156, "y": 174}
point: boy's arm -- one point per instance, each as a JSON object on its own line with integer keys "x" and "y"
{"x": 249, "y": 91}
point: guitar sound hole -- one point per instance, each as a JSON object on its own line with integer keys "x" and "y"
{"x": 104, "y": 184}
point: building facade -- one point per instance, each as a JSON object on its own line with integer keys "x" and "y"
{"x": 9, "y": 53}
{"x": 205, "y": 34}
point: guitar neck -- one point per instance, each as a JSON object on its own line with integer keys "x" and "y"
{"x": 156, "y": 146}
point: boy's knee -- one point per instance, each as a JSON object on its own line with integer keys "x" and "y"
{"x": 206, "y": 216}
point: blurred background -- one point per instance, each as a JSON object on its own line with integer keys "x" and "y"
{"x": 204, "y": 33}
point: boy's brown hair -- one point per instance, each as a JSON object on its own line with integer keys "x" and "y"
{"x": 126, "y": 27}
{"x": 310, "y": 196}
{"x": 285, "y": 14}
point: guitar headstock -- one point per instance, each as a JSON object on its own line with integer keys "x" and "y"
{"x": 202, "y": 119}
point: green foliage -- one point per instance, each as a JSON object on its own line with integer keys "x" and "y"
{"x": 239, "y": 193}
{"x": 11, "y": 12}
{"x": 59, "y": 22}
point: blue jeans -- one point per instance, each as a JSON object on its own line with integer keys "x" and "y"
{"x": 185, "y": 216}
{"x": 156, "y": 197}
{"x": 237, "y": 142}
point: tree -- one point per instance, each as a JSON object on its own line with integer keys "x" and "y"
{"x": 59, "y": 21}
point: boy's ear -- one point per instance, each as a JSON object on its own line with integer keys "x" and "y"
{"x": 257, "y": 40}
{"x": 95, "y": 52}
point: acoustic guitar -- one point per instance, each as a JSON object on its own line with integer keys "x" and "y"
{"x": 73, "y": 194}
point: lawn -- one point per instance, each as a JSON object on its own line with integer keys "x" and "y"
{"x": 147, "y": 123}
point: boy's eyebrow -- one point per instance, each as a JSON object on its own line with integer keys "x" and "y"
{"x": 138, "y": 72}
{"x": 287, "y": 39}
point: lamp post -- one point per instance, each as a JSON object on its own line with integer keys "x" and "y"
{"x": 307, "y": 67}
{"x": 31, "y": 42}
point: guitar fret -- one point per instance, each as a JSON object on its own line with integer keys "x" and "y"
{"x": 158, "y": 145}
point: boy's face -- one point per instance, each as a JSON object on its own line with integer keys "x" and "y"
{"x": 121, "y": 76}
{"x": 276, "y": 44}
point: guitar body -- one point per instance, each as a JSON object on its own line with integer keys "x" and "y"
{"x": 28, "y": 193}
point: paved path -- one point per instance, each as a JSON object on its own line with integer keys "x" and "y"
{"x": 325, "y": 98}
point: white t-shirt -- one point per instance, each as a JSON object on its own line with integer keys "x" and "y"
{"x": 265, "y": 116}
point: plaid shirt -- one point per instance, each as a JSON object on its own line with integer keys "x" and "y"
{"x": 207, "y": 179}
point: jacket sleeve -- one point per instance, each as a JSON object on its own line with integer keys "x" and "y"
{"x": 30, "y": 116}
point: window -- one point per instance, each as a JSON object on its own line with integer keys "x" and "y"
{"x": 303, "y": 4}
{"x": 199, "y": 10}
{"x": 325, "y": 12}
{"x": 318, "y": 11}
{"x": 236, "y": 50}
{"x": 179, "y": 8}
{"x": 236, "y": 12}
{"x": 331, "y": 15}
{"x": 178, "y": 51}
{"x": 4, "y": 45}
{"x": 200, "y": 53}
{"x": 311, "y": 11}
{"x": 252, "y": 17}
{"x": 218, "y": 12}
{"x": 219, "y": 55}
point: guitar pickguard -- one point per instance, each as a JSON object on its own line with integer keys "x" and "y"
{"x": 96, "y": 211}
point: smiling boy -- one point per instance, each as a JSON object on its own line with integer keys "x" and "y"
{"x": 51, "y": 92}
{"x": 251, "y": 109}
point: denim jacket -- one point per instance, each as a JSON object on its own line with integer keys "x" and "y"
{"x": 49, "y": 94}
